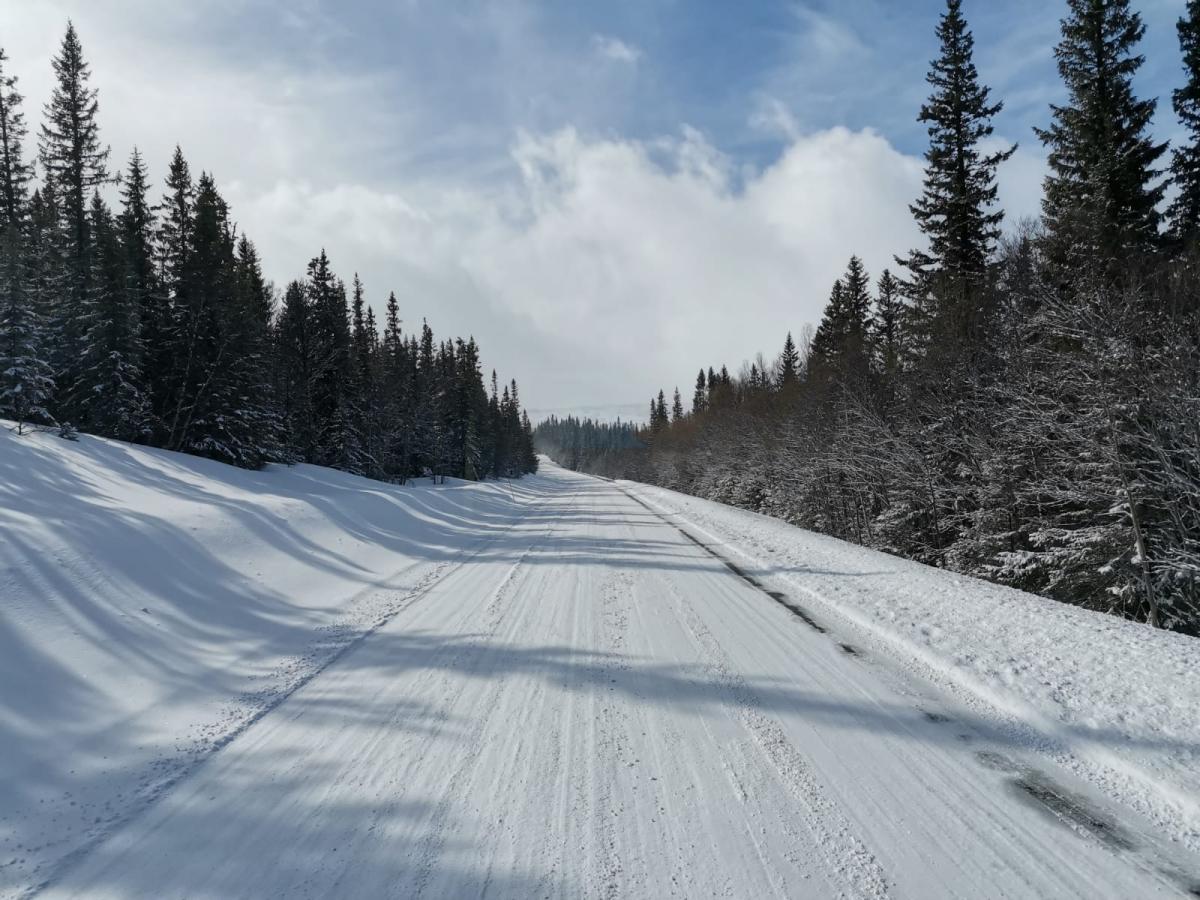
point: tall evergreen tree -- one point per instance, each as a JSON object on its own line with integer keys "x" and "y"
{"x": 1101, "y": 199}
{"x": 1184, "y": 213}
{"x": 700, "y": 394}
{"x": 15, "y": 170}
{"x": 136, "y": 226}
{"x": 110, "y": 392}
{"x": 26, "y": 382}
{"x": 955, "y": 210}
{"x": 677, "y": 407}
{"x": 886, "y": 325}
{"x": 73, "y": 157}
{"x": 295, "y": 367}
{"x": 26, "y": 378}
{"x": 787, "y": 374}
{"x": 840, "y": 343}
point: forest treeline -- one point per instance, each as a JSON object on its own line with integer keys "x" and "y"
{"x": 1021, "y": 405}
{"x": 153, "y": 323}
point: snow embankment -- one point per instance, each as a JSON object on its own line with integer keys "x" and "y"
{"x": 1116, "y": 701}
{"x": 154, "y": 604}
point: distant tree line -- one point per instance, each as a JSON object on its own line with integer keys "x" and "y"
{"x": 1020, "y": 407}
{"x": 581, "y": 444}
{"x": 154, "y": 324}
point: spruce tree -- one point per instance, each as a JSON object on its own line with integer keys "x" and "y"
{"x": 295, "y": 367}
{"x": 1101, "y": 199}
{"x": 840, "y": 343}
{"x": 74, "y": 159}
{"x": 256, "y": 419}
{"x": 15, "y": 170}
{"x": 885, "y": 325}
{"x": 26, "y": 379}
{"x": 136, "y": 226}
{"x": 175, "y": 222}
{"x": 955, "y": 210}
{"x": 169, "y": 350}
{"x": 787, "y": 374}
{"x": 700, "y": 395}
{"x": 26, "y": 382}
{"x": 207, "y": 352}
{"x": 1184, "y": 213}
{"x": 109, "y": 393}
{"x": 677, "y": 407}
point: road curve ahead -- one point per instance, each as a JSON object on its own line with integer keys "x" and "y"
{"x": 596, "y": 705}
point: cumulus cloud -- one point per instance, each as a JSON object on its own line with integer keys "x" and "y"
{"x": 609, "y": 268}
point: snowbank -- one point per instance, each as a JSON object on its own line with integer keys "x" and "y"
{"x": 153, "y": 604}
{"x": 1118, "y": 702}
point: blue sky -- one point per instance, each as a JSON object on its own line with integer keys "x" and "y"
{"x": 608, "y": 194}
{"x": 474, "y": 72}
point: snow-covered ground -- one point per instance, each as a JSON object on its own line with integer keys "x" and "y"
{"x": 153, "y": 604}
{"x": 1116, "y": 701}
{"x": 294, "y": 682}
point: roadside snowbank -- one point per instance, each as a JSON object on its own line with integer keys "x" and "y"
{"x": 153, "y": 604}
{"x": 1118, "y": 701}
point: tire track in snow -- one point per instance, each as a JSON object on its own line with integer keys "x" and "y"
{"x": 845, "y": 853}
{"x": 481, "y": 652}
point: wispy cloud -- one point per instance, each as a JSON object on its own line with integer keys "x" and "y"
{"x": 615, "y": 49}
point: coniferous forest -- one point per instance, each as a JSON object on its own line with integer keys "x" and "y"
{"x": 1015, "y": 401}
{"x": 153, "y": 322}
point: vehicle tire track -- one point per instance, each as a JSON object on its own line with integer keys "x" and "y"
{"x": 847, "y": 855}
{"x": 498, "y": 606}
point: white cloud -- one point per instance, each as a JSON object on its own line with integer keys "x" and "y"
{"x": 611, "y": 268}
{"x": 615, "y": 49}
{"x": 773, "y": 117}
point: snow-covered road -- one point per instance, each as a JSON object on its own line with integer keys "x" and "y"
{"x": 595, "y": 703}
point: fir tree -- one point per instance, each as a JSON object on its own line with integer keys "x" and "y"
{"x": 26, "y": 382}
{"x": 700, "y": 395}
{"x": 885, "y": 325}
{"x": 136, "y": 224}
{"x": 74, "y": 159}
{"x": 204, "y": 346}
{"x": 26, "y": 379}
{"x": 677, "y": 407}
{"x": 295, "y": 367}
{"x": 955, "y": 211}
{"x": 255, "y": 421}
{"x": 169, "y": 351}
{"x": 1101, "y": 199}
{"x": 15, "y": 170}
{"x": 787, "y": 373}
{"x": 1184, "y": 213}
{"x": 110, "y": 393}
{"x": 840, "y": 342}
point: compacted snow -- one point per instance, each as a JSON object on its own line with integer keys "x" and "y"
{"x": 294, "y": 683}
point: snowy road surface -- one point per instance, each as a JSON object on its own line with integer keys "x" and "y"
{"x": 594, "y": 703}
